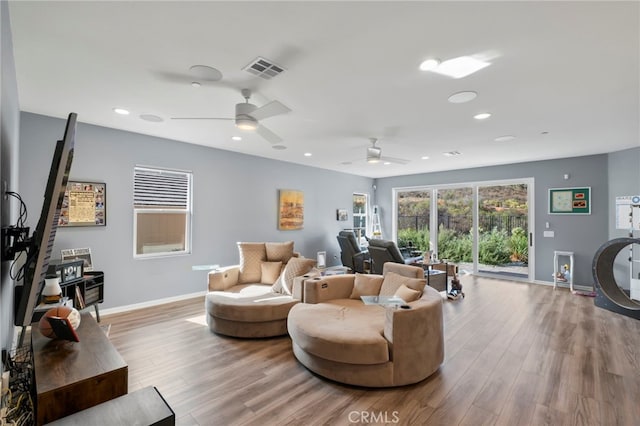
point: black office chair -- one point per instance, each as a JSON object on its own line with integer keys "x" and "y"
{"x": 351, "y": 254}
{"x": 382, "y": 251}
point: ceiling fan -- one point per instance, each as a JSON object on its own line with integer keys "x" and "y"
{"x": 248, "y": 116}
{"x": 374, "y": 155}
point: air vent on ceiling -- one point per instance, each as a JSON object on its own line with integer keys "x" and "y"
{"x": 451, "y": 153}
{"x": 263, "y": 68}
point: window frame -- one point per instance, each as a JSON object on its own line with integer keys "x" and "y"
{"x": 365, "y": 215}
{"x": 187, "y": 210}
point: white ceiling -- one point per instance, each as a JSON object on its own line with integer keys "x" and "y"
{"x": 567, "y": 68}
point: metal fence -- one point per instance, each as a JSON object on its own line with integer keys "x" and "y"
{"x": 463, "y": 223}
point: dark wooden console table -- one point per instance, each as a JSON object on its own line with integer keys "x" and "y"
{"x": 72, "y": 376}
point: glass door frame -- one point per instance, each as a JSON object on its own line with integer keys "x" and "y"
{"x": 433, "y": 220}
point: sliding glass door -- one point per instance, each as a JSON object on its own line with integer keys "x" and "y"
{"x": 503, "y": 229}
{"x": 484, "y": 227}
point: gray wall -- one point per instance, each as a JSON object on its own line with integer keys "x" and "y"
{"x": 235, "y": 199}
{"x": 582, "y": 234}
{"x": 9, "y": 127}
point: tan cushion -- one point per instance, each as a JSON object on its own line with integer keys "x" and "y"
{"x": 366, "y": 285}
{"x": 407, "y": 294}
{"x": 344, "y": 330}
{"x": 270, "y": 272}
{"x": 279, "y": 251}
{"x": 295, "y": 267}
{"x": 249, "y": 303}
{"x": 251, "y": 256}
{"x": 393, "y": 281}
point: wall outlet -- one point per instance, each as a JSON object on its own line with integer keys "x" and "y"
{"x": 549, "y": 234}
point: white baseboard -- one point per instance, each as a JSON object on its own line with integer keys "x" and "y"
{"x": 150, "y": 303}
{"x": 565, "y": 285}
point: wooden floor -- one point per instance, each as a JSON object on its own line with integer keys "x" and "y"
{"x": 515, "y": 354}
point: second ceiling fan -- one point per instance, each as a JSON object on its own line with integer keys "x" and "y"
{"x": 248, "y": 116}
{"x": 374, "y": 155}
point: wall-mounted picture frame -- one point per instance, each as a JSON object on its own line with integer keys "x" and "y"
{"x": 290, "y": 209}
{"x": 84, "y": 204}
{"x": 342, "y": 215}
{"x": 570, "y": 200}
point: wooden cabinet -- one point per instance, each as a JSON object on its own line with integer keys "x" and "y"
{"x": 72, "y": 376}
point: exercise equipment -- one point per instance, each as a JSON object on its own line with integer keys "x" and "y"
{"x": 608, "y": 294}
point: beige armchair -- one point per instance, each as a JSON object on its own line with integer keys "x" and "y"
{"x": 253, "y": 299}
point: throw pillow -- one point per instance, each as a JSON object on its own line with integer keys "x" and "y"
{"x": 407, "y": 294}
{"x": 270, "y": 272}
{"x": 366, "y": 285}
{"x": 251, "y": 255}
{"x": 295, "y": 267}
{"x": 279, "y": 251}
{"x": 393, "y": 281}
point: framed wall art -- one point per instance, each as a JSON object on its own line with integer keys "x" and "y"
{"x": 570, "y": 200}
{"x": 342, "y": 215}
{"x": 84, "y": 204}
{"x": 290, "y": 209}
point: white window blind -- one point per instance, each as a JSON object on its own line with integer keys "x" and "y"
{"x": 155, "y": 188}
{"x": 162, "y": 212}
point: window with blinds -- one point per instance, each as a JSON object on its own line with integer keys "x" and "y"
{"x": 162, "y": 212}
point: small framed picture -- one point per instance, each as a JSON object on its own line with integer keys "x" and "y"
{"x": 76, "y": 254}
{"x": 342, "y": 215}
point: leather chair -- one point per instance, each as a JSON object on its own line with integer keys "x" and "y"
{"x": 382, "y": 251}
{"x": 351, "y": 255}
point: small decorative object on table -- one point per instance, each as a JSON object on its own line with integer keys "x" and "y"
{"x": 60, "y": 323}
{"x": 52, "y": 292}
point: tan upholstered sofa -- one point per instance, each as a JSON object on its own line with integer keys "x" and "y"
{"x": 253, "y": 299}
{"x": 337, "y": 336}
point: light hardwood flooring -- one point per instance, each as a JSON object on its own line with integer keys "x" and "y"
{"x": 515, "y": 354}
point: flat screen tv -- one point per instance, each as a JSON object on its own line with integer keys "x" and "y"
{"x": 41, "y": 243}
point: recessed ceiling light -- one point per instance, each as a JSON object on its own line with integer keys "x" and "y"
{"x": 121, "y": 111}
{"x": 205, "y": 73}
{"x": 279, "y": 147}
{"x": 386, "y": 163}
{"x": 451, "y": 153}
{"x": 460, "y": 67}
{"x": 236, "y": 138}
{"x": 482, "y": 116}
{"x": 307, "y": 154}
{"x": 425, "y": 157}
{"x": 429, "y": 65}
{"x": 195, "y": 84}
{"x": 151, "y": 117}
{"x": 505, "y": 138}
{"x": 462, "y": 97}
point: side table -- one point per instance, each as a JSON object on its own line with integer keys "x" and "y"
{"x": 556, "y": 257}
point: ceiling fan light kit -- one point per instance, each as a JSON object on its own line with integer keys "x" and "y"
{"x": 248, "y": 115}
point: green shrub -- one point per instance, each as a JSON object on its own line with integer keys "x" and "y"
{"x": 494, "y": 248}
{"x": 418, "y": 238}
{"x": 453, "y": 246}
{"x": 519, "y": 245}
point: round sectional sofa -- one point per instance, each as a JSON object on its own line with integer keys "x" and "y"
{"x": 336, "y": 335}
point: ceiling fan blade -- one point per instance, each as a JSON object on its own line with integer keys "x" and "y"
{"x": 201, "y": 118}
{"x": 394, "y": 160}
{"x": 268, "y": 135}
{"x": 269, "y": 110}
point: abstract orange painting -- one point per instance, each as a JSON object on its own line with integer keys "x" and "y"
{"x": 290, "y": 210}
